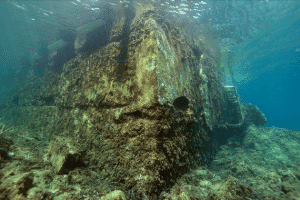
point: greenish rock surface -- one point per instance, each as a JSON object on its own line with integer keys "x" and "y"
{"x": 253, "y": 115}
{"x": 138, "y": 109}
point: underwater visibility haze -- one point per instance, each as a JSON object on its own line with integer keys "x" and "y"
{"x": 150, "y": 99}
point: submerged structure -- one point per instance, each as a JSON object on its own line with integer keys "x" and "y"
{"x": 135, "y": 114}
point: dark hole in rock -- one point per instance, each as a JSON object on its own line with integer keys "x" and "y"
{"x": 71, "y": 162}
{"x": 284, "y": 190}
{"x": 197, "y": 53}
{"x": 26, "y": 186}
{"x": 181, "y": 103}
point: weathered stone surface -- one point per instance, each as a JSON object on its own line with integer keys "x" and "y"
{"x": 4, "y": 147}
{"x": 117, "y": 194}
{"x": 138, "y": 108}
{"x": 131, "y": 117}
{"x": 230, "y": 189}
{"x": 234, "y": 113}
{"x": 83, "y": 31}
{"x": 253, "y": 115}
{"x": 18, "y": 188}
{"x": 64, "y": 154}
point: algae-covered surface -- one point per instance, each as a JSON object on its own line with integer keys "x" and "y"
{"x": 139, "y": 111}
{"x": 263, "y": 166}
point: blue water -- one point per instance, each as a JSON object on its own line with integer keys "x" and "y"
{"x": 273, "y": 72}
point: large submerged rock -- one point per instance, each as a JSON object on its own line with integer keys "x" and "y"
{"x": 144, "y": 104}
{"x": 140, "y": 107}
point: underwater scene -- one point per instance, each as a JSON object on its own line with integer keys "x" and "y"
{"x": 150, "y": 100}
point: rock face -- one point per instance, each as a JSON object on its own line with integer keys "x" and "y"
{"x": 4, "y": 148}
{"x": 64, "y": 155}
{"x": 230, "y": 189}
{"x": 253, "y": 115}
{"x": 138, "y": 108}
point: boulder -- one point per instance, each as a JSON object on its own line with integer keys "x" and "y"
{"x": 253, "y": 115}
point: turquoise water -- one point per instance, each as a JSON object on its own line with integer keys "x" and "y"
{"x": 271, "y": 70}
